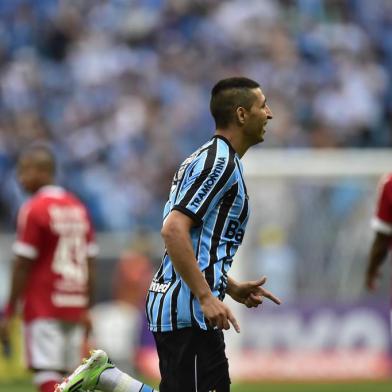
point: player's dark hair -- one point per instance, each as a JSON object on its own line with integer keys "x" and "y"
{"x": 227, "y": 95}
{"x": 43, "y": 156}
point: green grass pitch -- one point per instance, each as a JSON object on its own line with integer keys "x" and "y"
{"x": 267, "y": 387}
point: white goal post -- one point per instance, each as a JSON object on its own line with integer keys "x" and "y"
{"x": 316, "y": 163}
{"x": 290, "y": 191}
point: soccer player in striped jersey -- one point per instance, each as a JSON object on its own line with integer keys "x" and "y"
{"x": 204, "y": 224}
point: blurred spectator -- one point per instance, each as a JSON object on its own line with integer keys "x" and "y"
{"x": 125, "y": 313}
{"x": 116, "y": 86}
{"x": 132, "y": 279}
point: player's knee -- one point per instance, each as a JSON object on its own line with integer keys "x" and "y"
{"x": 46, "y": 380}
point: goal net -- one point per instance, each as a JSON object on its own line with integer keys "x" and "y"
{"x": 309, "y": 233}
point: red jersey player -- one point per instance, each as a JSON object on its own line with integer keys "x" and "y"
{"x": 382, "y": 225}
{"x": 52, "y": 271}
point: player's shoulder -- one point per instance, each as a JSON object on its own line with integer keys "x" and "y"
{"x": 28, "y": 206}
{"x": 47, "y": 194}
{"x": 35, "y": 202}
{"x": 55, "y": 195}
{"x": 204, "y": 156}
{"x": 225, "y": 153}
{"x": 32, "y": 209}
{"x": 386, "y": 181}
{"x": 72, "y": 198}
{"x": 214, "y": 154}
{"x": 72, "y": 201}
{"x": 224, "y": 147}
{"x": 221, "y": 152}
{"x": 388, "y": 178}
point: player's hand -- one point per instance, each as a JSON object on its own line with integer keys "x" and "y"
{"x": 218, "y": 314}
{"x": 5, "y": 335}
{"x": 371, "y": 280}
{"x": 251, "y": 293}
{"x": 87, "y": 323}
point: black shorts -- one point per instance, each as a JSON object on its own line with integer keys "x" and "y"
{"x": 192, "y": 360}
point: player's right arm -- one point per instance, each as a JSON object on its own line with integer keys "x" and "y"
{"x": 378, "y": 253}
{"x": 25, "y": 250}
{"x": 20, "y": 272}
{"x": 382, "y": 225}
{"x": 92, "y": 253}
{"x": 176, "y": 234}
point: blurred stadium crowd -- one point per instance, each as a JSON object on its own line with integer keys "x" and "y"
{"x": 121, "y": 87}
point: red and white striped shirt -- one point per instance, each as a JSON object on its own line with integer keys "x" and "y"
{"x": 55, "y": 233}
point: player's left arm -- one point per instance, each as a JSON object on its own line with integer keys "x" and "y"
{"x": 91, "y": 284}
{"x": 250, "y": 293}
{"x": 92, "y": 253}
{"x": 377, "y": 256}
{"x": 382, "y": 225}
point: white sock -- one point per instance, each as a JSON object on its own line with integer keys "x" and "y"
{"x": 114, "y": 380}
{"x": 43, "y": 376}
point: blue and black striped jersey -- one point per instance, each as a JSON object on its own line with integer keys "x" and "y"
{"x": 209, "y": 187}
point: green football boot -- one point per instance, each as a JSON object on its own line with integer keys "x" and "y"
{"x": 85, "y": 377}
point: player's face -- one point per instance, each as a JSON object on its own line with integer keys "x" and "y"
{"x": 258, "y": 117}
{"x": 28, "y": 175}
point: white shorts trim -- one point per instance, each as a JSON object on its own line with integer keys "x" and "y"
{"x": 40, "y": 378}
{"x": 69, "y": 300}
{"x": 53, "y": 344}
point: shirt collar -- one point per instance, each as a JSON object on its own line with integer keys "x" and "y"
{"x": 227, "y": 142}
{"x": 51, "y": 190}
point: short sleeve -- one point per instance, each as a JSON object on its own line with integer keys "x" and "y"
{"x": 205, "y": 183}
{"x": 28, "y": 232}
{"x": 382, "y": 220}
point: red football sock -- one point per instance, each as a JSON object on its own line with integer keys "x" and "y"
{"x": 47, "y": 386}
